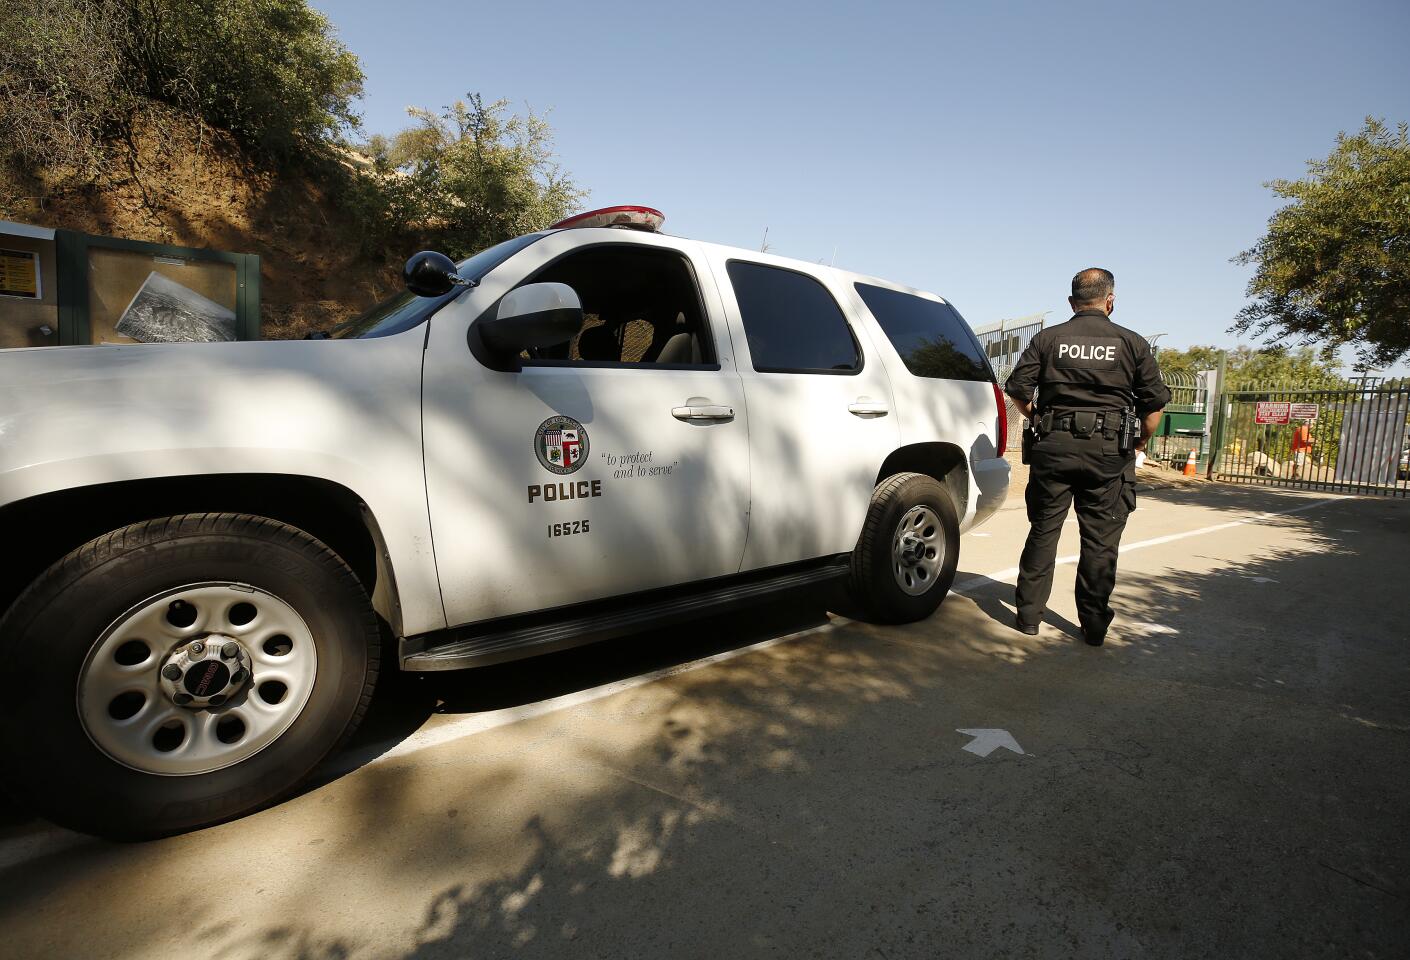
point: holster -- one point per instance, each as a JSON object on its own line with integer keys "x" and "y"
{"x": 1033, "y": 431}
{"x": 1130, "y": 433}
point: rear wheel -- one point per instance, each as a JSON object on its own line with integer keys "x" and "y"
{"x": 905, "y": 559}
{"x": 180, "y": 672}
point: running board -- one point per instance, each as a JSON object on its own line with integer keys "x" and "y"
{"x": 500, "y": 641}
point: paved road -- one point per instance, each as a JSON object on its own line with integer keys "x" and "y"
{"x": 1228, "y": 777}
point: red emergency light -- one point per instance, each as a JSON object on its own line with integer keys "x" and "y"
{"x": 631, "y": 217}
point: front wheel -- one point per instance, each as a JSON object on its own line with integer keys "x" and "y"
{"x": 180, "y": 672}
{"x": 905, "y": 559}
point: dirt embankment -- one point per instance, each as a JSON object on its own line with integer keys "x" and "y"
{"x": 193, "y": 188}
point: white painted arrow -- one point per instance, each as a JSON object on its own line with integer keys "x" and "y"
{"x": 986, "y": 742}
{"x": 1148, "y": 628}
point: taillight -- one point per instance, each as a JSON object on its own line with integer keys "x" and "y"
{"x": 1001, "y": 425}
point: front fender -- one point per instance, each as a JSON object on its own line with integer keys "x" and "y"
{"x": 347, "y": 412}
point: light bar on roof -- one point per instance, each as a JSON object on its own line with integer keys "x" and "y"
{"x": 630, "y": 216}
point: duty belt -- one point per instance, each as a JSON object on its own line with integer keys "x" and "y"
{"x": 1077, "y": 423}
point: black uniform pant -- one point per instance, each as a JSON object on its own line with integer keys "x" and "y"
{"x": 1102, "y": 480}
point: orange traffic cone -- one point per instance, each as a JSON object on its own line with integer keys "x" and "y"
{"x": 1189, "y": 470}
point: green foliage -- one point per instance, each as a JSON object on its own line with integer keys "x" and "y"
{"x": 269, "y": 71}
{"x": 1189, "y": 361}
{"x": 108, "y": 93}
{"x": 1303, "y": 367}
{"x": 77, "y": 77}
{"x": 1334, "y": 266}
{"x": 464, "y": 179}
{"x": 62, "y": 86}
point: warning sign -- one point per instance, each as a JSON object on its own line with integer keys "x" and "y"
{"x": 19, "y": 274}
{"x": 1270, "y": 411}
{"x": 1304, "y": 411}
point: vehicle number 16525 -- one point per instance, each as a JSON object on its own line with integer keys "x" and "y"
{"x": 567, "y": 529}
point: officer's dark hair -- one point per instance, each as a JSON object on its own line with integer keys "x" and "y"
{"x": 1092, "y": 285}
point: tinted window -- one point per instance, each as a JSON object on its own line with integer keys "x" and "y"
{"x": 792, "y": 322}
{"x": 931, "y": 337}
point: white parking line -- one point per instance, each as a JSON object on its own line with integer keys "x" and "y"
{"x": 48, "y": 840}
{"x": 482, "y": 722}
{"x": 1004, "y": 576}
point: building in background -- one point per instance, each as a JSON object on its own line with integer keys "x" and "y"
{"x": 1005, "y": 341}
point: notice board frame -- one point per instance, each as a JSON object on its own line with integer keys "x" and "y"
{"x": 71, "y": 271}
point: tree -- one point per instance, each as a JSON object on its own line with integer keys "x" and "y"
{"x": 63, "y": 87}
{"x": 1334, "y": 266}
{"x": 79, "y": 77}
{"x": 1189, "y": 361}
{"x": 1303, "y": 367}
{"x": 466, "y": 178}
{"x": 269, "y": 71}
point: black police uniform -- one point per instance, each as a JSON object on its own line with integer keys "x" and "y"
{"x": 1086, "y": 371}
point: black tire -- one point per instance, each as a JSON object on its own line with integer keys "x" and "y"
{"x": 52, "y": 765}
{"x": 874, "y": 583}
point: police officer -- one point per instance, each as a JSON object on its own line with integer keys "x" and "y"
{"x": 1094, "y": 380}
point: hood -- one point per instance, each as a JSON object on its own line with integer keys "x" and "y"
{"x": 208, "y": 407}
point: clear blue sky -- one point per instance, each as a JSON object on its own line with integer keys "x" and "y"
{"x": 982, "y": 150}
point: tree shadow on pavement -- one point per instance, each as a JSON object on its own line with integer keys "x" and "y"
{"x": 996, "y": 599}
{"x": 405, "y": 701}
{"x": 1226, "y": 777}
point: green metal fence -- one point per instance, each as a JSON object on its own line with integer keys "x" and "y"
{"x": 1184, "y": 428}
{"x": 1352, "y": 438}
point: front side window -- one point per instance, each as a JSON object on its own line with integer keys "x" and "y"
{"x": 640, "y": 307}
{"x": 791, "y": 321}
{"x": 930, "y": 336}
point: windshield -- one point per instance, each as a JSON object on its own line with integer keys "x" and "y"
{"x": 405, "y": 310}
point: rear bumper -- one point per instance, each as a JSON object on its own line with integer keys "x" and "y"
{"x": 991, "y": 485}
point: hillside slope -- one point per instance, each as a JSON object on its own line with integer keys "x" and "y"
{"x": 200, "y": 192}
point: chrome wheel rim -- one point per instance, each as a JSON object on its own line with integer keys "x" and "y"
{"x": 196, "y": 679}
{"x": 918, "y": 550}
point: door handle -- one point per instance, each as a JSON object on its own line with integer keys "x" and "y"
{"x": 705, "y": 412}
{"x": 867, "y": 407}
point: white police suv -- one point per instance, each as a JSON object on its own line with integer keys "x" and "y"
{"x": 211, "y": 550}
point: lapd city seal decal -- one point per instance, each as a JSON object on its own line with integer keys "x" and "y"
{"x": 561, "y": 444}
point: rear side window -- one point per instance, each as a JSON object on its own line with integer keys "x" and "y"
{"x": 930, "y": 336}
{"x": 792, "y": 323}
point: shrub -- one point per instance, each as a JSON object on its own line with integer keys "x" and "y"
{"x": 77, "y": 75}
{"x": 464, "y": 179}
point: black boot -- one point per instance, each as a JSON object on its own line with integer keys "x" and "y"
{"x": 1095, "y": 635}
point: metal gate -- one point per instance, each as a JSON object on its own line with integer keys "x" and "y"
{"x": 1183, "y": 428}
{"x": 1353, "y": 440}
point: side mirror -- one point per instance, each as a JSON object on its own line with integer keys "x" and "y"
{"x": 432, "y": 274}
{"x": 534, "y": 315}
